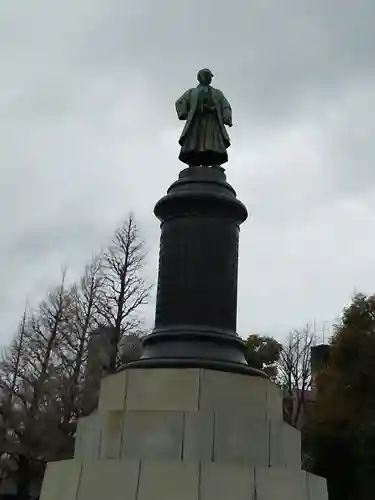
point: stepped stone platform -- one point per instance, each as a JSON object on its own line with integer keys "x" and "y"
{"x": 184, "y": 434}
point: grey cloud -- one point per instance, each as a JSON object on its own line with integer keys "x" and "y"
{"x": 89, "y": 132}
{"x": 266, "y": 50}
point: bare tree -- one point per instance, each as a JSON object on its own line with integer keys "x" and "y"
{"x": 294, "y": 372}
{"x": 124, "y": 288}
{"x": 11, "y": 358}
{"x": 46, "y": 334}
{"x": 31, "y": 385}
{"x": 42, "y": 372}
{"x": 15, "y": 401}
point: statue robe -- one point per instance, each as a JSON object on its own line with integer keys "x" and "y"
{"x": 204, "y": 139}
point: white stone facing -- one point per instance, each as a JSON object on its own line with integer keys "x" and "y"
{"x": 168, "y": 481}
{"x": 61, "y": 480}
{"x": 88, "y": 437}
{"x": 171, "y": 480}
{"x": 280, "y": 484}
{"x": 185, "y": 389}
{"x": 226, "y": 482}
{"x": 230, "y": 391}
{"x": 198, "y": 439}
{"x": 109, "y": 479}
{"x": 274, "y": 409}
{"x": 317, "y": 487}
{"x": 111, "y": 435}
{"x": 223, "y": 436}
{"x": 285, "y": 446}
{"x": 241, "y": 439}
{"x": 152, "y": 435}
{"x": 113, "y": 392}
{"x": 163, "y": 389}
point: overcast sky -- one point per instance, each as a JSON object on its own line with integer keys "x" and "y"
{"x": 89, "y": 132}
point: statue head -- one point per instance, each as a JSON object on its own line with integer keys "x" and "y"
{"x": 205, "y": 76}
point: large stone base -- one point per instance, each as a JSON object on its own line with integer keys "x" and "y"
{"x": 184, "y": 434}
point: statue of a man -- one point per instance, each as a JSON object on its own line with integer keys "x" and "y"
{"x": 204, "y": 139}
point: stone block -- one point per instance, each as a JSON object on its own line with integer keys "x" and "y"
{"x": 198, "y": 436}
{"x": 88, "y": 436}
{"x": 168, "y": 481}
{"x": 285, "y": 446}
{"x": 61, "y": 480}
{"x": 152, "y": 435}
{"x": 224, "y": 482}
{"x": 114, "y": 479}
{"x": 274, "y": 402}
{"x": 241, "y": 439}
{"x": 113, "y": 392}
{"x": 111, "y": 437}
{"x": 223, "y": 391}
{"x": 163, "y": 389}
{"x": 280, "y": 484}
{"x": 317, "y": 487}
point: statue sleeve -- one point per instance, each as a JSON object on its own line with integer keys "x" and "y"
{"x": 227, "y": 111}
{"x": 183, "y": 106}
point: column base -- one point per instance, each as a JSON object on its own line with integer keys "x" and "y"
{"x": 195, "y": 347}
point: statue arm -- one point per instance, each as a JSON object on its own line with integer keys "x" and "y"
{"x": 183, "y": 106}
{"x": 227, "y": 111}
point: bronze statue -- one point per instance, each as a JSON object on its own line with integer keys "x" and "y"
{"x": 204, "y": 139}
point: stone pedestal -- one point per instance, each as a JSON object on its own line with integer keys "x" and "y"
{"x": 190, "y": 420}
{"x": 184, "y": 434}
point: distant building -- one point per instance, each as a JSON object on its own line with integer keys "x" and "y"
{"x": 98, "y": 357}
{"x": 319, "y": 362}
{"x": 99, "y": 348}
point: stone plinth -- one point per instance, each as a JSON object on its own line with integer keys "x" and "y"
{"x": 184, "y": 434}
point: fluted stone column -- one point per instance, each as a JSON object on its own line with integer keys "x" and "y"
{"x": 196, "y": 304}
